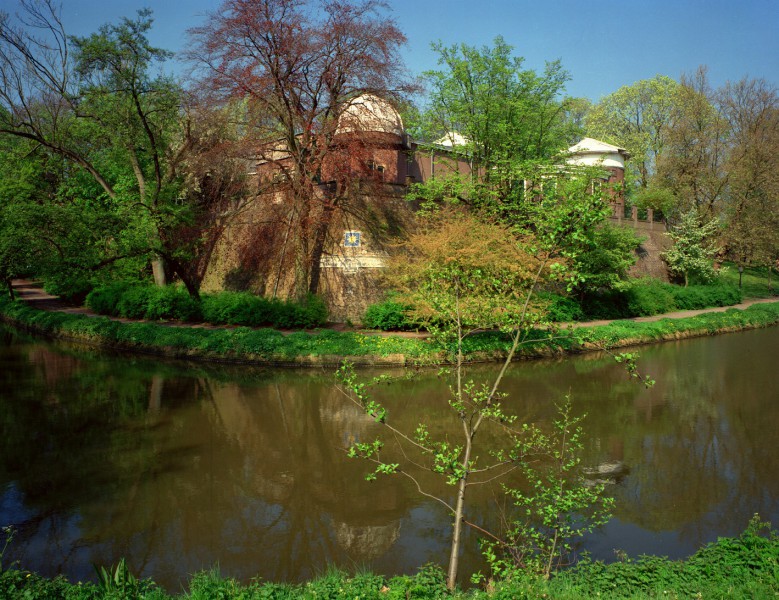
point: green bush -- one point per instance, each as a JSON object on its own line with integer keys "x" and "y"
{"x": 132, "y": 303}
{"x": 105, "y": 299}
{"x": 704, "y": 296}
{"x": 561, "y": 309}
{"x": 388, "y": 316}
{"x": 649, "y": 297}
{"x": 140, "y": 301}
{"x": 237, "y": 308}
{"x": 646, "y": 297}
{"x": 172, "y": 302}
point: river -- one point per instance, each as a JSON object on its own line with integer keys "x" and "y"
{"x": 181, "y": 467}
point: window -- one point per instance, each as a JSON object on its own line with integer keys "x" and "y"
{"x": 376, "y": 169}
{"x": 352, "y": 239}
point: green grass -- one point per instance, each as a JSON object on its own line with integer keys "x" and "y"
{"x": 268, "y": 346}
{"x": 754, "y": 281}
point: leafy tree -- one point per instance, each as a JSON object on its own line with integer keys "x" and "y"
{"x": 464, "y": 275}
{"x": 604, "y": 257}
{"x": 637, "y": 117}
{"x": 693, "y": 164}
{"x": 751, "y": 108}
{"x": 297, "y": 65}
{"x": 693, "y": 251}
{"x": 95, "y": 103}
{"x": 505, "y": 112}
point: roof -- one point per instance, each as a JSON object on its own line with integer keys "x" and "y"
{"x": 368, "y": 112}
{"x": 593, "y": 146}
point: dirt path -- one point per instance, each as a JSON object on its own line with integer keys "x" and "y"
{"x": 35, "y": 296}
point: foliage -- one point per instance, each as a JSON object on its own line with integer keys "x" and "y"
{"x": 646, "y": 297}
{"x": 636, "y": 117}
{"x": 561, "y": 309}
{"x": 693, "y": 252}
{"x": 97, "y": 105}
{"x": 117, "y": 580}
{"x": 604, "y": 257}
{"x": 558, "y": 510}
{"x": 295, "y": 66}
{"x": 389, "y": 315}
{"x": 138, "y": 301}
{"x": 504, "y": 112}
{"x": 747, "y": 563}
{"x": 744, "y": 566}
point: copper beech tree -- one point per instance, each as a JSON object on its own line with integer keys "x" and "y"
{"x": 295, "y": 65}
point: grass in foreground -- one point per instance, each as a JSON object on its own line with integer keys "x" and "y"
{"x": 746, "y": 566}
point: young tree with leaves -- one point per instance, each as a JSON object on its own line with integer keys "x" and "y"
{"x": 694, "y": 249}
{"x": 464, "y": 275}
{"x": 637, "y": 117}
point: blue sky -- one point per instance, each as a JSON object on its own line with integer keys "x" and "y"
{"x": 603, "y": 45}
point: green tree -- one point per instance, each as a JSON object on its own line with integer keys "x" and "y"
{"x": 637, "y": 117}
{"x": 693, "y": 252}
{"x": 693, "y": 163}
{"x": 96, "y": 103}
{"x": 464, "y": 275}
{"x": 505, "y": 112}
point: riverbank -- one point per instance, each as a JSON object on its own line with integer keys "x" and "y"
{"x": 738, "y": 567}
{"x": 327, "y": 347}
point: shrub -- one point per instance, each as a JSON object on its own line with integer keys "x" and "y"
{"x": 132, "y": 304}
{"x": 388, "y": 316}
{"x": 561, "y": 309}
{"x": 105, "y": 299}
{"x": 703, "y": 296}
{"x": 649, "y": 297}
{"x": 172, "y": 302}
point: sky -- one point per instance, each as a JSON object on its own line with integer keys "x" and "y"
{"x": 603, "y": 46}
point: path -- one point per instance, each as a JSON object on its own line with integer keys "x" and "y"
{"x": 37, "y": 297}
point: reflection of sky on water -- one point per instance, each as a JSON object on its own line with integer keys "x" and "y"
{"x": 179, "y": 470}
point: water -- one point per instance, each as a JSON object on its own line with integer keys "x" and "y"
{"x": 182, "y": 467}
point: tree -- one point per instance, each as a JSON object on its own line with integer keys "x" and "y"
{"x": 464, "y": 275}
{"x": 503, "y": 111}
{"x": 637, "y": 117}
{"x": 693, "y": 251}
{"x": 298, "y": 65}
{"x": 693, "y": 164}
{"x": 96, "y": 103}
{"x": 751, "y": 109}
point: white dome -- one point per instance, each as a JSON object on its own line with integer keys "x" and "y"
{"x": 370, "y": 113}
{"x": 592, "y": 153}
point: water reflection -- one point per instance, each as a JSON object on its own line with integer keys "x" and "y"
{"x": 178, "y": 469}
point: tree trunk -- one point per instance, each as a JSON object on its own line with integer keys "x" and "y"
{"x": 320, "y": 238}
{"x": 158, "y": 270}
{"x": 459, "y": 509}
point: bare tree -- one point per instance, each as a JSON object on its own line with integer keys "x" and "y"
{"x": 297, "y": 65}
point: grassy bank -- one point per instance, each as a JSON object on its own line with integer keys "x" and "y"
{"x": 746, "y": 566}
{"x": 326, "y": 347}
